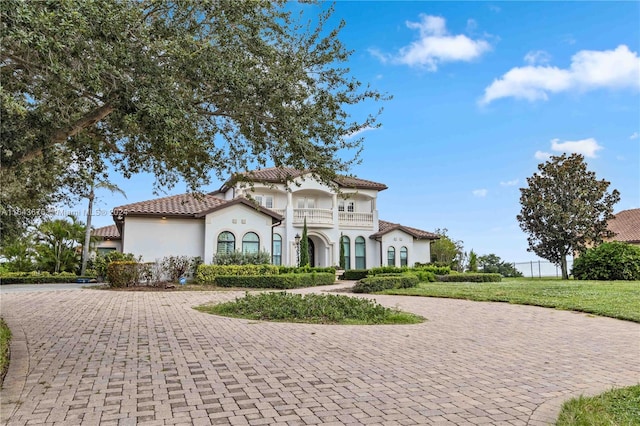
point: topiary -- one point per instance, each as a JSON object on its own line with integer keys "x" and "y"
{"x": 608, "y": 261}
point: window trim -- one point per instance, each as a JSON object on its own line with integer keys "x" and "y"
{"x": 404, "y": 251}
{"x": 231, "y": 242}
{"x": 391, "y": 256}
{"x": 276, "y": 255}
{"x": 362, "y": 242}
{"x": 246, "y": 242}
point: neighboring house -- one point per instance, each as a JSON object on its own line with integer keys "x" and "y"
{"x": 626, "y": 225}
{"x": 108, "y": 239}
{"x": 265, "y": 210}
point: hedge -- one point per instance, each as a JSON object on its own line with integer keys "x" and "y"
{"x": 207, "y": 274}
{"x": 42, "y": 278}
{"x": 388, "y": 270}
{"x": 282, "y": 281}
{"x": 355, "y": 274}
{"x": 304, "y": 269}
{"x": 609, "y": 261}
{"x": 123, "y": 273}
{"x": 470, "y": 278}
{"x": 375, "y": 284}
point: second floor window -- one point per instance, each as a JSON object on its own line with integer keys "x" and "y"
{"x": 348, "y": 206}
{"x": 306, "y": 203}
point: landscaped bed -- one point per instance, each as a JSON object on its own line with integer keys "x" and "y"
{"x": 5, "y": 339}
{"x": 615, "y": 299}
{"x": 616, "y": 407}
{"x": 310, "y": 308}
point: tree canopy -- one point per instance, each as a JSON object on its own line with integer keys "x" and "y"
{"x": 446, "y": 251}
{"x": 184, "y": 90}
{"x": 565, "y": 209}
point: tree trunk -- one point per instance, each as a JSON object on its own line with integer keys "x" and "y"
{"x": 563, "y": 267}
{"x": 87, "y": 234}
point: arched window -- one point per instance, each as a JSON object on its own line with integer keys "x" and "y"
{"x": 250, "y": 243}
{"x": 276, "y": 250}
{"x": 404, "y": 255}
{"x": 391, "y": 256}
{"x": 346, "y": 243}
{"x": 361, "y": 253}
{"x": 226, "y": 243}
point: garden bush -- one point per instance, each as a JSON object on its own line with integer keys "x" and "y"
{"x": 425, "y": 276}
{"x": 102, "y": 261}
{"x": 123, "y": 273}
{"x": 355, "y": 274}
{"x": 374, "y": 284}
{"x": 436, "y": 270}
{"x": 387, "y": 270}
{"x": 35, "y": 277}
{"x": 240, "y": 258}
{"x": 281, "y": 281}
{"x": 609, "y": 261}
{"x": 207, "y": 274}
{"x": 470, "y": 278}
{"x": 180, "y": 266}
{"x": 304, "y": 269}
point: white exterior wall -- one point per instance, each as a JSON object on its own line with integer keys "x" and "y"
{"x": 154, "y": 238}
{"x": 237, "y": 219}
{"x": 398, "y": 239}
{"x": 115, "y": 244}
{"x": 421, "y": 252}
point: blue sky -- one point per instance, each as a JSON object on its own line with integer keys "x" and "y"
{"x": 483, "y": 93}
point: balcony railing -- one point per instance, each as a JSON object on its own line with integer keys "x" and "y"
{"x": 314, "y": 216}
{"x": 356, "y": 219}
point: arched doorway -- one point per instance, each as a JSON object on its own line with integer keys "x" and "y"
{"x": 312, "y": 252}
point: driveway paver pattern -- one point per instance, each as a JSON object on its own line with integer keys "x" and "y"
{"x": 120, "y": 358}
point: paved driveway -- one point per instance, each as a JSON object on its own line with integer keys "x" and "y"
{"x": 97, "y": 357}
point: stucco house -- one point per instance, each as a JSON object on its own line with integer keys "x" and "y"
{"x": 265, "y": 210}
{"x": 626, "y": 225}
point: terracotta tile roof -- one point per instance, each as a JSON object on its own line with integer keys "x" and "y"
{"x": 626, "y": 225}
{"x": 386, "y": 227}
{"x": 281, "y": 174}
{"x": 110, "y": 231}
{"x": 174, "y": 205}
{"x": 245, "y": 201}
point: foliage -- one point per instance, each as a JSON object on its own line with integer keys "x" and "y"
{"x": 615, "y": 407}
{"x": 343, "y": 261}
{"x": 387, "y": 270}
{"x": 35, "y": 277}
{"x": 470, "y": 278}
{"x": 608, "y": 261}
{"x": 424, "y": 275}
{"x": 5, "y": 341}
{"x": 374, "y": 284}
{"x": 123, "y": 273}
{"x": 355, "y": 274}
{"x": 304, "y": 270}
{"x": 473, "y": 262}
{"x": 58, "y": 242}
{"x": 240, "y": 258}
{"x": 616, "y": 299}
{"x": 311, "y": 308}
{"x": 102, "y": 261}
{"x": 564, "y": 209}
{"x": 152, "y": 273}
{"x": 283, "y": 281}
{"x": 493, "y": 264}
{"x": 178, "y": 266}
{"x": 206, "y": 274}
{"x": 304, "y": 246}
{"x": 19, "y": 253}
{"x": 446, "y": 251}
{"x": 183, "y": 90}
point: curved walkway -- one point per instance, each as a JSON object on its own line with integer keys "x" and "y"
{"x": 118, "y": 358}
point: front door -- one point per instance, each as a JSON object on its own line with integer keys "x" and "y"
{"x": 312, "y": 251}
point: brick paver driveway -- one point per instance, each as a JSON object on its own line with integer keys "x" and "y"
{"x": 96, "y": 357}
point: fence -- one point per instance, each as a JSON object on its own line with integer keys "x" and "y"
{"x": 541, "y": 268}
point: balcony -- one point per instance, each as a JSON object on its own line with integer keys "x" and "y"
{"x": 355, "y": 219}
{"x": 315, "y": 217}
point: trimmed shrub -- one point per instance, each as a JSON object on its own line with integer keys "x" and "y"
{"x": 282, "y": 281}
{"x": 425, "y": 276}
{"x": 180, "y": 266}
{"x": 437, "y": 270}
{"x": 35, "y": 277}
{"x": 609, "y": 261}
{"x": 387, "y": 270}
{"x": 375, "y": 284}
{"x": 102, "y": 261}
{"x": 470, "y": 278}
{"x": 207, "y": 274}
{"x": 240, "y": 258}
{"x": 355, "y": 274}
{"x": 123, "y": 274}
{"x": 304, "y": 269}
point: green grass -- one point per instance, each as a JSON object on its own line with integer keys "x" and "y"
{"x": 615, "y": 299}
{"x": 310, "y": 308}
{"x": 618, "y": 407}
{"x": 5, "y": 338}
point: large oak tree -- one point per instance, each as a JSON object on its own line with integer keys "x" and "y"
{"x": 565, "y": 209}
{"x": 185, "y": 90}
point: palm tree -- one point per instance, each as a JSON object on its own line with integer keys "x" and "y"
{"x": 91, "y": 196}
{"x": 58, "y": 240}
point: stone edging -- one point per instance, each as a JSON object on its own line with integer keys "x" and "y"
{"x": 16, "y": 377}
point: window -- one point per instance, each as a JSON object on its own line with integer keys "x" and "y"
{"x": 391, "y": 256}
{"x": 351, "y": 206}
{"x": 226, "y": 243}
{"x": 250, "y": 243}
{"x": 346, "y": 244}
{"x": 404, "y": 254}
{"x": 276, "y": 251}
{"x": 268, "y": 202}
{"x": 361, "y": 253}
{"x": 105, "y": 250}
{"x": 258, "y": 199}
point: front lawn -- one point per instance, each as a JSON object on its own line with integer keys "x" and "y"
{"x": 615, "y": 299}
{"x": 310, "y": 308}
{"x": 616, "y": 407}
{"x": 5, "y": 339}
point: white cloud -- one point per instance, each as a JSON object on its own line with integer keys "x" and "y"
{"x": 589, "y": 70}
{"x": 472, "y": 25}
{"x": 541, "y": 155}
{"x": 434, "y": 46}
{"x": 356, "y": 133}
{"x": 587, "y": 147}
{"x": 509, "y": 183}
{"x": 634, "y": 135}
{"x": 480, "y": 192}
{"x": 537, "y": 57}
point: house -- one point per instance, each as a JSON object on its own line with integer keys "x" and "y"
{"x": 626, "y": 225}
{"x": 266, "y": 210}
